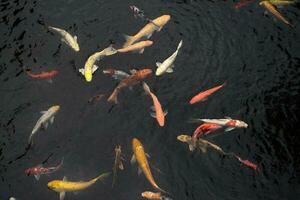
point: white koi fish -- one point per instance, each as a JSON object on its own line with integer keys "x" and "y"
{"x": 168, "y": 64}
{"x": 90, "y": 67}
{"x": 44, "y": 120}
{"x": 66, "y": 38}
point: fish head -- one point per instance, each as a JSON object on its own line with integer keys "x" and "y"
{"x": 136, "y": 143}
{"x": 88, "y": 74}
{"x": 118, "y": 149}
{"x": 28, "y": 171}
{"x": 75, "y": 46}
{"x": 184, "y": 138}
{"x": 241, "y": 124}
{"x": 148, "y": 43}
{"x": 159, "y": 70}
{"x": 54, "y": 185}
{"x": 162, "y": 20}
{"x": 55, "y": 108}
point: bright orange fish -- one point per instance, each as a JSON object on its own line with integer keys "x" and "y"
{"x": 151, "y": 195}
{"x": 133, "y": 79}
{"x": 203, "y": 95}
{"x": 159, "y": 113}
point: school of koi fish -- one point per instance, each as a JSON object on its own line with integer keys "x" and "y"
{"x": 137, "y": 77}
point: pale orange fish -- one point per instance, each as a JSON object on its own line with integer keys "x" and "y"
{"x": 203, "y": 95}
{"x": 137, "y": 47}
{"x": 152, "y": 195}
{"x": 159, "y": 113}
{"x": 272, "y": 9}
{"x": 139, "y": 155}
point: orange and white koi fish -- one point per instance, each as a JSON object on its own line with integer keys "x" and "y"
{"x": 272, "y": 9}
{"x": 159, "y": 113}
{"x": 133, "y": 79}
{"x": 137, "y": 47}
{"x": 228, "y": 122}
{"x": 155, "y": 25}
{"x": 154, "y": 196}
{"x": 203, "y": 95}
{"x": 139, "y": 155}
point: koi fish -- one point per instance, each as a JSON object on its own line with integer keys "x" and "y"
{"x": 116, "y": 74}
{"x": 38, "y": 170}
{"x": 168, "y": 64}
{"x": 140, "y": 13}
{"x": 137, "y": 47}
{"x": 154, "y": 196}
{"x": 67, "y": 38}
{"x": 139, "y": 155}
{"x": 118, "y": 163}
{"x": 159, "y": 113}
{"x": 148, "y": 30}
{"x": 228, "y": 122}
{"x": 203, "y": 95}
{"x": 44, "y": 120}
{"x": 282, "y": 2}
{"x": 95, "y": 98}
{"x": 248, "y": 163}
{"x": 133, "y": 79}
{"x": 44, "y": 75}
{"x": 242, "y": 3}
{"x": 205, "y": 128}
{"x": 63, "y": 186}
{"x": 90, "y": 67}
{"x": 272, "y": 9}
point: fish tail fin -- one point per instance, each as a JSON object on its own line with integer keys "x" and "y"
{"x": 146, "y": 88}
{"x": 192, "y": 144}
{"x": 110, "y": 50}
{"x": 113, "y": 97}
{"x": 179, "y": 45}
{"x": 101, "y": 177}
{"x": 61, "y": 163}
{"x": 128, "y": 40}
{"x": 158, "y": 188}
{"x": 195, "y": 120}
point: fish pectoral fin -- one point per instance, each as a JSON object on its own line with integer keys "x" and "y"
{"x": 95, "y": 67}
{"x": 141, "y": 51}
{"x": 81, "y": 70}
{"x": 226, "y": 117}
{"x": 139, "y": 171}
{"x": 45, "y": 125}
{"x": 62, "y": 195}
{"x": 43, "y": 112}
{"x": 148, "y": 156}
{"x": 49, "y": 80}
{"x": 170, "y": 70}
{"x": 52, "y": 120}
{"x": 153, "y": 114}
{"x": 158, "y": 64}
{"x": 63, "y": 40}
{"x": 133, "y": 159}
{"x": 65, "y": 178}
{"x": 149, "y": 36}
{"x": 229, "y": 129}
{"x": 165, "y": 112}
{"x": 121, "y": 166}
{"x": 37, "y": 177}
{"x": 76, "y": 192}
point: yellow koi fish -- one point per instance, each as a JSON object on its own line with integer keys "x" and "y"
{"x": 139, "y": 155}
{"x": 63, "y": 186}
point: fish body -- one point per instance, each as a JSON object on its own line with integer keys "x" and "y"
{"x": 38, "y": 170}
{"x": 231, "y": 123}
{"x": 205, "y": 128}
{"x": 159, "y": 113}
{"x": 66, "y": 38}
{"x": 140, "y": 156}
{"x": 43, "y": 75}
{"x": 282, "y": 2}
{"x": 242, "y": 3}
{"x": 44, "y": 120}
{"x": 152, "y": 195}
{"x": 203, "y": 95}
{"x": 147, "y": 31}
{"x": 248, "y": 163}
{"x": 272, "y": 9}
{"x": 118, "y": 163}
{"x": 168, "y": 64}
{"x": 62, "y": 186}
{"x": 136, "y": 47}
{"x": 116, "y": 74}
{"x": 90, "y": 67}
{"x": 133, "y": 79}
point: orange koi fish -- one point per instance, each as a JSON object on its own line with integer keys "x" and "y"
{"x": 203, "y": 95}
{"x": 159, "y": 113}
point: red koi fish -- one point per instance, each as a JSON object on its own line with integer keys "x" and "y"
{"x": 95, "y": 98}
{"x": 43, "y": 75}
{"x": 242, "y": 3}
{"x": 203, "y": 95}
{"x": 205, "y": 128}
{"x": 131, "y": 80}
{"x": 38, "y": 170}
{"x": 248, "y": 163}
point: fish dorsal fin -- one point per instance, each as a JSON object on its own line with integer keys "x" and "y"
{"x": 81, "y": 70}
{"x": 65, "y": 178}
{"x": 133, "y": 159}
{"x": 62, "y": 195}
{"x": 158, "y": 64}
{"x": 170, "y": 70}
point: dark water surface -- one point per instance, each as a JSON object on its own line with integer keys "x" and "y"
{"x": 258, "y": 56}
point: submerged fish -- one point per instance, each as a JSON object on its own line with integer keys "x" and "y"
{"x": 44, "y": 75}
{"x": 133, "y": 79}
{"x": 44, "y": 120}
{"x": 159, "y": 113}
{"x": 140, "y": 13}
{"x": 282, "y": 2}
{"x": 90, "y": 67}
{"x": 154, "y": 196}
{"x": 63, "y": 186}
{"x": 118, "y": 163}
{"x": 272, "y": 9}
{"x": 136, "y": 47}
{"x": 95, "y": 98}
{"x": 203, "y": 95}
{"x": 38, "y": 170}
{"x": 242, "y": 3}
{"x": 139, "y": 155}
{"x": 168, "y": 64}
{"x": 148, "y": 30}
{"x": 116, "y": 74}
{"x": 66, "y": 38}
